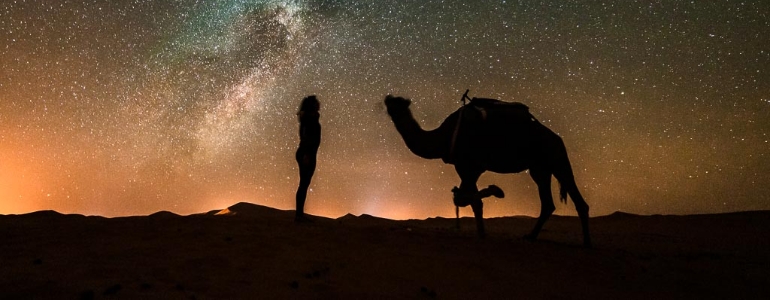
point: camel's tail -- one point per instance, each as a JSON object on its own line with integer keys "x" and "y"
{"x": 566, "y": 179}
{"x": 562, "y": 193}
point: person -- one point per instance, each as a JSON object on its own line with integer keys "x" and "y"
{"x": 309, "y": 140}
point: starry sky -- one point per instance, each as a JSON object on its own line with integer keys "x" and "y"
{"x": 130, "y": 107}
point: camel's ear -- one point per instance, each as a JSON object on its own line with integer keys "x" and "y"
{"x": 400, "y": 100}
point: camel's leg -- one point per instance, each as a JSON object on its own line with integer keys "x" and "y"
{"x": 478, "y": 213}
{"x": 567, "y": 181}
{"x": 543, "y": 181}
{"x": 582, "y": 209}
{"x": 468, "y": 178}
{"x": 457, "y": 219}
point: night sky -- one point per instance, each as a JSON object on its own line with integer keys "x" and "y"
{"x": 121, "y": 108}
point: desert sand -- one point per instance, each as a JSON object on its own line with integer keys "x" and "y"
{"x": 254, "y": 252}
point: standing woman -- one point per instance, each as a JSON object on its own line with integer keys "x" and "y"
{"x": 309, "y": 140}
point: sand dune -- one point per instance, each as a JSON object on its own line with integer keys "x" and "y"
{"x": 254, "y": 252}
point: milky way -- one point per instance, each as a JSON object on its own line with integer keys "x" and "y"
{"x": 131, "y": 107}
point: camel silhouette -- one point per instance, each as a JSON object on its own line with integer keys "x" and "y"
{"x": 497, "y": 136}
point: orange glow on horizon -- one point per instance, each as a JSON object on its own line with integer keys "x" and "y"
{"x": 19, "y": 187}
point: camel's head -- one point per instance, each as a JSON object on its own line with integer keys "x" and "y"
{"x": 396, "y": 105}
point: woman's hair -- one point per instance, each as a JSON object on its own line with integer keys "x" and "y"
{"x": 309, "y": 104}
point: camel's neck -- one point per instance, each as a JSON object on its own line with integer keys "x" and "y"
{"x": 426, "y": 144}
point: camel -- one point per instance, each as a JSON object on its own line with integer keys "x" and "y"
{"x": 497, "y": 136}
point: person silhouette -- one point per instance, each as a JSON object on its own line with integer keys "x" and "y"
{"x": 309, "y": 140}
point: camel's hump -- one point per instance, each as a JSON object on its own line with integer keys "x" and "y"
{"x": 489, "y": 102}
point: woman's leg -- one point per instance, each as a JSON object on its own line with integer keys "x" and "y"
{"x": 306, "y": 171}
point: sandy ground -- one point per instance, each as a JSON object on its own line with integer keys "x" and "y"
{"x": 254, "y": 252}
